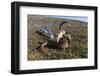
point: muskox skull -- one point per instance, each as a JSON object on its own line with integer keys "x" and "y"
{"x": 62, "y": 41}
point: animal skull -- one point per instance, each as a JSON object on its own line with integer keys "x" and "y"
{"x": 60, "y": 35}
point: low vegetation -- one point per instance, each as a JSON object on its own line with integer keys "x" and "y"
{"x": 78, "y": 30}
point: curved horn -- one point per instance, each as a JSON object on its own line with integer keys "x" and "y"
{"x": 62, "y": 24}
{"x": 68, "y": 36}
